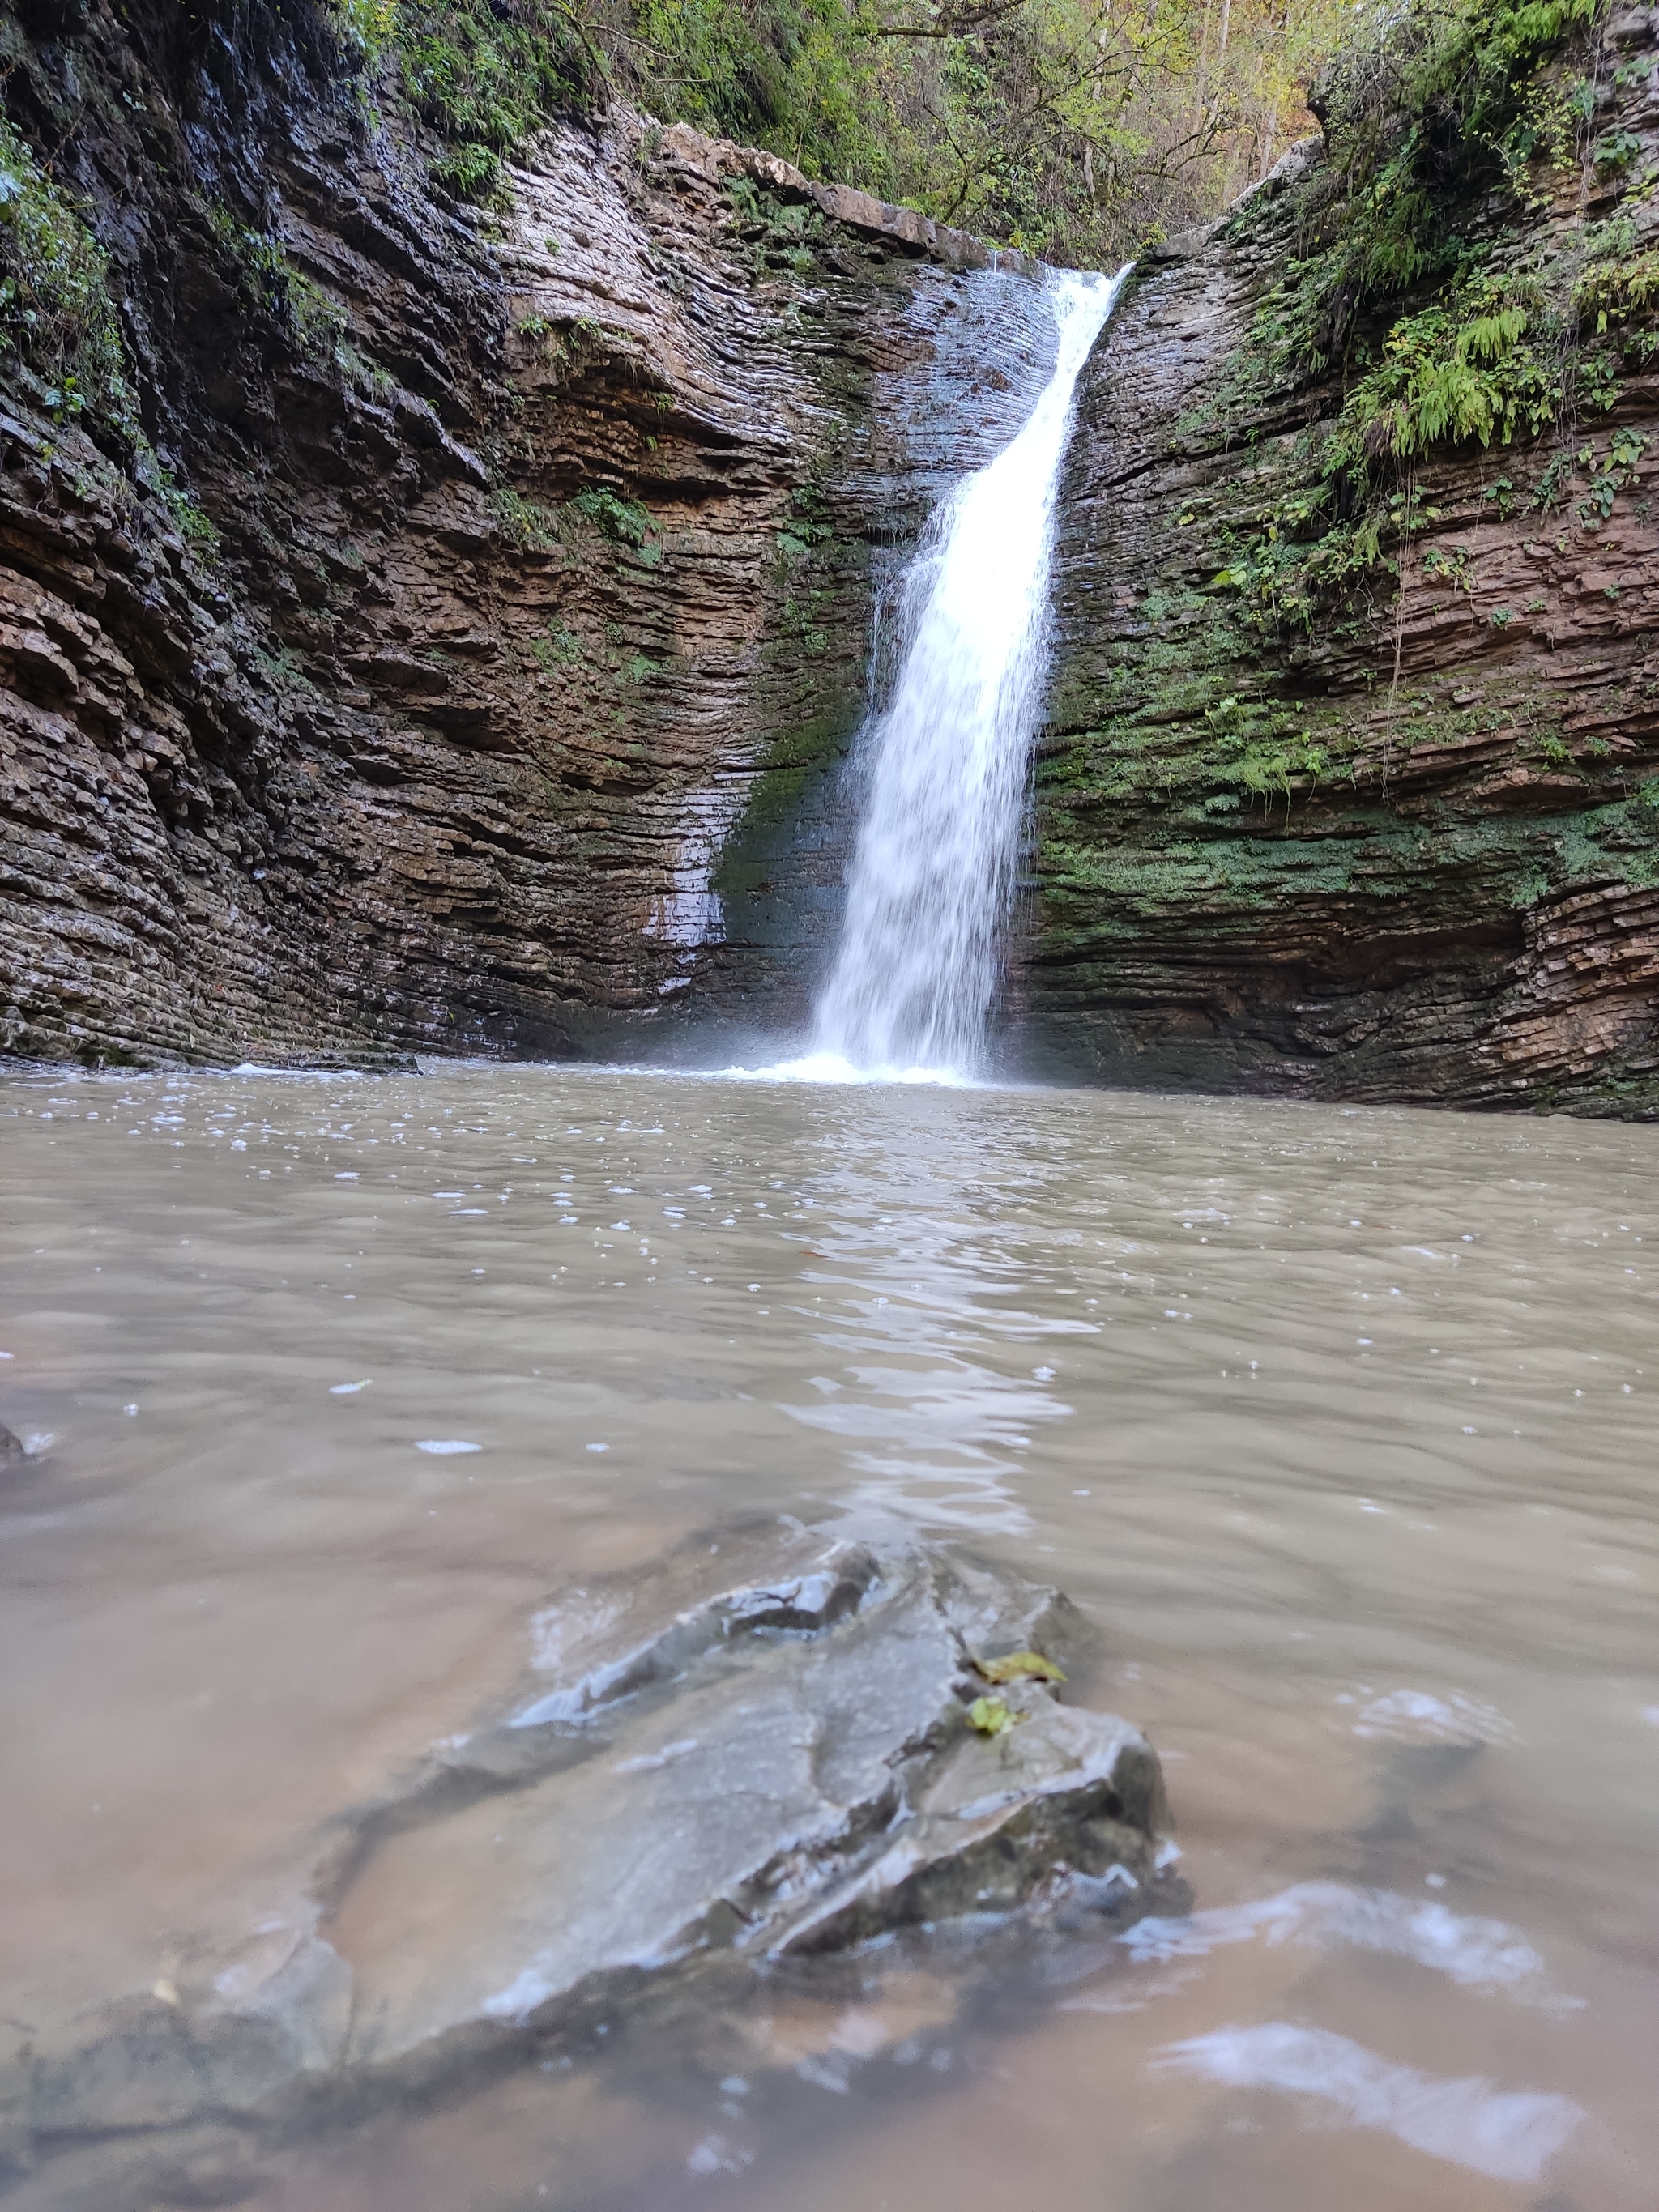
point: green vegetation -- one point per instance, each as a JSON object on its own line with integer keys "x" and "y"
{"x": 779, "y": 233}
{"x": 258, "y": 265}
{"x": 1262, "y": 749}
{"x": 1440, "y": 107}
{"x": 486, "y": 75}
{"x": 558, "y": 648}
{"x": 531, "y": 528}
{"x": 1469, "y": 370}
{"x": 321, "y": 326}
{"x": 1440, "y": 329}
{"x": 1620, "y": 294}
{"x": 808, "y": 526}
{"x": 267, "y": 284}
{"x": 58, "y": 319}
{"x": 1074, "y": 128}
{"x": 623, "y": 521}
{"x": 196, "y": 528}
{"x": 993, "y": 1716}
{"x": 56, "y": 310}
{"x": 534, "y": 529}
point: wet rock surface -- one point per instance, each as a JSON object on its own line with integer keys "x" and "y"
{"x": 714, "y": 1778}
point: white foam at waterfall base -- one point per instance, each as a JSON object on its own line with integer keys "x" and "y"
{"x": 836, "y": 1067}
{"x": 938, "y": 850}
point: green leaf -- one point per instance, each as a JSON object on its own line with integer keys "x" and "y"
{"x": 991, "y": 1716}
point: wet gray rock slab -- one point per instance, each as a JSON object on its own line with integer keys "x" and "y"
{"x": 754, "y": 1754}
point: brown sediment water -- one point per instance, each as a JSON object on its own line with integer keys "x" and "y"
{"x": 1338, "y": 1423}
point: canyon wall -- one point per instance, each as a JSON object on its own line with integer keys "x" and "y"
{"x": 464, "y": 651}
{"x": 470, "y": 662}
{"x": 1389, "y": 846}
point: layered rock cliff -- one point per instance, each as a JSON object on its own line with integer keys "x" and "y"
{"x": 491, "y": 614}
{"x": 1395, "y": 842}
{"x": 462, "y": 644}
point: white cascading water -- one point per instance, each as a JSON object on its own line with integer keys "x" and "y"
{"x": 939, "y": 845}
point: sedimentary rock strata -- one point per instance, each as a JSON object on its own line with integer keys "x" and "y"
{"x": 488, "y": 676}
{"x": 474, "y": 662}
{"x": 1441, "y": 881}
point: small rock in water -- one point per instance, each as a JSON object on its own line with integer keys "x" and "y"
{"x": 751, "y": 1758}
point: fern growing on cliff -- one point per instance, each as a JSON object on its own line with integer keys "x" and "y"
{"x": 1418, "y": 282}
{"x": 1480, "y": 366}
{"x": 1422, "y": 121}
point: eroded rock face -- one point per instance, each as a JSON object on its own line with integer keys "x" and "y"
{"x": 757, "y": 1755}
{"x": 507, "y": 708}
{"x": 1463, "y": 906}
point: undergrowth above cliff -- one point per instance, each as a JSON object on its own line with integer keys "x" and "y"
{"x": 484, "y": 74}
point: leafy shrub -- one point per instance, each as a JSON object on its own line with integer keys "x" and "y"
{"x": 624, "y": 521}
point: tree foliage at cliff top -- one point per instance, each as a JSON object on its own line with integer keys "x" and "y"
{"x": 1077, "y": 129}
{"x": 1074, "y": 128}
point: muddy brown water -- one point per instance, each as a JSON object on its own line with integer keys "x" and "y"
{"x": 1340, "y": 1424}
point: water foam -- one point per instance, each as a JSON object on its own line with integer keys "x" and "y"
{"x": 1472, "y": 1951}
{"x": 1510, "y": 2135}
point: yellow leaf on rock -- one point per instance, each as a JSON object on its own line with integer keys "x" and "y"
{"x": 1019, "y": 1665}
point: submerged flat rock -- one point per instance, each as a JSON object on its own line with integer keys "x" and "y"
{"x": 758, "y": 1751}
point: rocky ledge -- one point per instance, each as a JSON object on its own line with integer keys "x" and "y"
{"x": 762, "y": 1753}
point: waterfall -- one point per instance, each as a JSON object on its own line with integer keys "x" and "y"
{"x": 938, "y": 849}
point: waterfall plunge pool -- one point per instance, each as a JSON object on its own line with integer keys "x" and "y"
{"x": 1338, "y": 1423}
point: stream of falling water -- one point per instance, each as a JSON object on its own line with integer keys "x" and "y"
{"x": 939, "y": 845}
